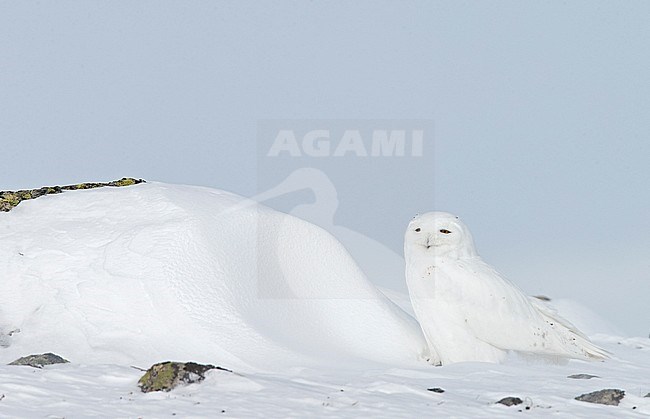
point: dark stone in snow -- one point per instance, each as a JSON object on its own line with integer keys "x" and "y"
{"x": 582, "y": 376}
{"x": 38, "y": 361}
{"x": 510, "y": 401}
{"x": 166, "y": 376}
{"x": 611, "y": 397}
{"x": 436, "y": 390}
{"x": 647, "y": 395}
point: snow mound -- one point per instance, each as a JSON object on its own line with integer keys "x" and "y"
{"x": 156, "y": 271}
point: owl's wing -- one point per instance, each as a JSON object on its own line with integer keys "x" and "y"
{"x": 500, "y": 314}
{"x": 572, "y": 334}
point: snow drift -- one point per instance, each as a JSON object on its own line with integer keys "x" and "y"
{"x": 142, "y": 274}
{"x": 156, "y": 271}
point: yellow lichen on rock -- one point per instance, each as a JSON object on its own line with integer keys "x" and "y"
{"x": 126, "y": 181}
{"x": 8, "y": 200}
{"x": 166, "y": 376}
{"x": 159, "y": 377}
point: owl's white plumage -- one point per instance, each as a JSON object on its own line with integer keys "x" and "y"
{"x": 468, "y": 311}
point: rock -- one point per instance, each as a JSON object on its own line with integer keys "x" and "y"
{"x": 10, "y": 199}
{"x": 610, "y": 397}
{"x": 126, "y": 181}
{"x": 166, "y": 376}
{"x": 582, "y": 376}
{"x": 647, "y": 395}
{"x": 436, "y": 390}
{"x": 542, "y": 297}
{"x": 510, "y": 401}
{"x": 38, "y": 361}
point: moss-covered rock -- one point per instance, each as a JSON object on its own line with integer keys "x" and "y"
{"x": 166, "y": 376}
{"x": 38, "y": 361}
{"x": 9, "y": 199}
{"x": 125, "y": 181}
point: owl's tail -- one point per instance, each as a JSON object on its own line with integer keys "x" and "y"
{"x": 575, "y": 342}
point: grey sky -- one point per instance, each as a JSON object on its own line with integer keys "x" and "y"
{"x": 541, "y": 114}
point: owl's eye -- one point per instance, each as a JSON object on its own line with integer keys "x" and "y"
{"x": 443, "y": 231}
{"x": 417, "y": 230}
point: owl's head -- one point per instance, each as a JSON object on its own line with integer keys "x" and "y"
{"x": 438, "y": 234}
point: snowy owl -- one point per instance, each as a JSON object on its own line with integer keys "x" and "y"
{"x": 468, "y": 311}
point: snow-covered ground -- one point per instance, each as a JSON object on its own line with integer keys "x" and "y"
{"x": 116, "y": 278}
